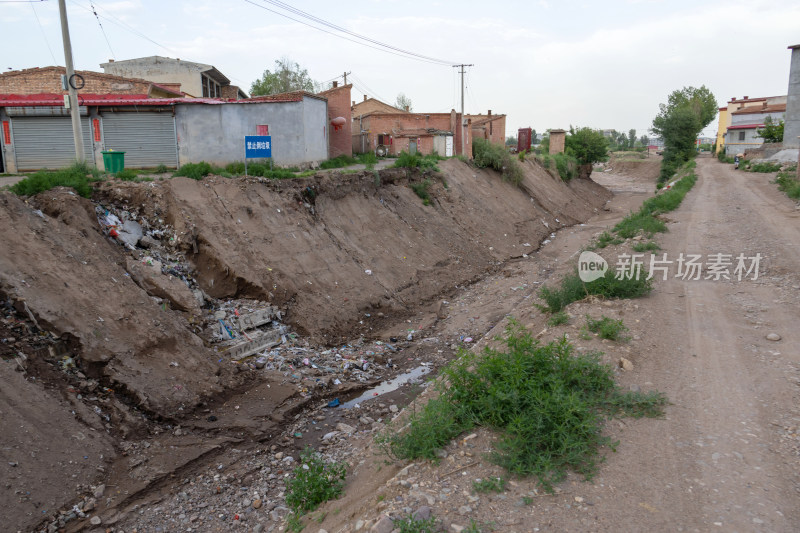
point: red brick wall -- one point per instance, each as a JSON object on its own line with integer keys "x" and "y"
{"x": 341, "y": 142}
{"x": 48, "y": 80}
{"x": 400, "y": 123}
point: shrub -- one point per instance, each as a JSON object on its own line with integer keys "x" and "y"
{"x": 195, "y": 171}
{"x": 236, "y": 168}
{"x": 313, "y": 482}
{"x": 369, "y": 160}
{"x": 567, "y": 166}
{"x": 75, "y": 176}
{"x": 407, "y": 160}
{"x": 421, "y": 189}
{"x": 607, "y": 328}
{"x": 548, "y": 403}
{"x": 788, "y": 183}
{"x": 338, "y": 162}
{"x": 496, "y": 156}
{"x": 161, "y": 169}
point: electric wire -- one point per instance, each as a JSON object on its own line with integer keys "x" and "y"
{"x": 44, "y": 35}
{"x": 296, "y": 11}
{"x": 251, "y": 2}
{"x": 101, "y": 29}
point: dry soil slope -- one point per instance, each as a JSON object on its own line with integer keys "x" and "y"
{"x": 334, "y": 248}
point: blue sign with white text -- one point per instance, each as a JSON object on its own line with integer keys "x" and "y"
{"x": 257, "y": 146}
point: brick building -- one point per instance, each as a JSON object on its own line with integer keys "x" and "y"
{"x": 401, "y": 131}
{"x": 489, "y": 127}
{"x": 372, "y": 105}
{"x": 339, "y": 120}
{"x": 47, "y": 80}
{"x": 557, "y": 140}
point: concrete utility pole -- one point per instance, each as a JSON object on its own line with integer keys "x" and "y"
{"x": 463, "y": 136}
{"x": 77, "y": 132}
{"x": 345, "y": 77}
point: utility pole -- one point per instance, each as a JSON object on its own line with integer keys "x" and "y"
{"x": 74, "y": 112}
{"x": 463, "y": 136}
{"x": 345, "y": 77}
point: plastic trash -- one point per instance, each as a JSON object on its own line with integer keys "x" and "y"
{"x": 334, "y": 403}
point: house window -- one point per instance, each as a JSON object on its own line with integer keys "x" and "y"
{"x": 741, "y": 135}
{"x": 211, "y": 88}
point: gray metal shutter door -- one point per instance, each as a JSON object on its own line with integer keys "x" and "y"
{"x": 148, "y": 139}
{"x": 46, "y": 142}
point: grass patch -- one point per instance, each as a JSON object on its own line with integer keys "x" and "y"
{"x": 547, "y": 403}
{"x": 496, "y": 156}
{"x": 338, "y": 162}
{"x": 607, "y": 328}
{"x": 422, "y": 189}
{"x": 788, "y": 183}
{"x": 639, "y": 222}
{"x": 407, "y": 524}
{"x": 492, "y": 484}
{"x": 650, "y": 246}
{"x": 126, "y": 174}
{"x": 195, "y": 171}
{"x": 558, "y": 319}
{"x": 763, "y": 167}
{"x": 573, "y": 289}
{"x": 313, "y": 482}
{"x": 76, "y": 176}
{"x": 604, "y": 239}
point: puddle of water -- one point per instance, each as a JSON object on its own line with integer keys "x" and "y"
{"x": 388, "y": 386}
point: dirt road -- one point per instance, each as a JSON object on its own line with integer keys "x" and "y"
{"x": 726, "y": 455}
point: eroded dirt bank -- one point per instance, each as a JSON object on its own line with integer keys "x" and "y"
{"x": 112, "y": 369}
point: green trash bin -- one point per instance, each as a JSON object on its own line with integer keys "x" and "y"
{"x": 113, "y": 161}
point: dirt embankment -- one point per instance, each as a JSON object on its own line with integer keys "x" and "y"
{"x": 116, "y": 362}
{"x": 333, "y": 248}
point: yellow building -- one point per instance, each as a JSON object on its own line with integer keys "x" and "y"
{"x": 735, "y": 105}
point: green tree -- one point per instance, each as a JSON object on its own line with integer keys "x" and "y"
{"x": 631, "y": 138}
{"x": 644, "y": 140}
{"x": 534, "y": 137}
{"x": 511, "y": 141}
{"x": 402, "y": 102}
{"x": 287, "y": 77}
{"x": 679, "y": 122}
{"x": 772, "y": 132}
{"x": 587, "y": 145}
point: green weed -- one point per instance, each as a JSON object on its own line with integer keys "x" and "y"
{"x": 313, "y": 482}
{"x": 407, "y": 524}
{"x": 573, "y": 289}
{"x": 496, "y": 156}
{"x": 604, "y": 239}
{"x": 427, "y": 162}
{"x": 126, "y": 174}
{"x": 76, "y": 176}
{"x": 369, "y": 160}
{"x": 763, "y": 167}
{"x": 558, "y": 319}
{"x": 293, "y": 523}
{"x": 650, "y": 246}
{"x": 195, "y": 171}
{"x": 492, "y": 484}
{"x": 788, "y": 183}
{"x": 338, "y": 162}
{"x": 547, "y": 403}
{"x": 421, "y": 189}
{"x": 161, "y": 169}
{"x": 607, "y": 328}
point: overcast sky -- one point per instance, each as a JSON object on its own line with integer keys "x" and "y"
{"x": 545, "y": 64}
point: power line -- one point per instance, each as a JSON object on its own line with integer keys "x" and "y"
{"x": 44, "y": 35}
{"x": 101, "y": 29}
{"x": 433, "y": 61}
{"x": 324, "y": 22}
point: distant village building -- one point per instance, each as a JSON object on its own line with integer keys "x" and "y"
{"x": 741, "y": 134}
{"x": 197, "y": 80}
{"x": 736, "y": 104}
